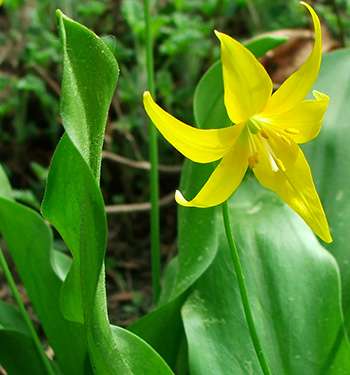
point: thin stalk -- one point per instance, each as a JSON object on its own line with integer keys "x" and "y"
{"x": 23, "y": 311}
{"x": 153, "y": 152}
{"x": 243, "y": 290}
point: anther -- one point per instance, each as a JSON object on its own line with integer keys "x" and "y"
{"x": 285, "y": 139}
{"x": 264, "y": 134}
{"x": 291, "y": 131}
{"x": 253, "y": 160}
{"x": 280, "y": 164}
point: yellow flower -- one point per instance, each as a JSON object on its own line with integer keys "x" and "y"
{"x": 265, "y": 137}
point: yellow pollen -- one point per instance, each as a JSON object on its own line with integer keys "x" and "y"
{"x": 264, "y": 134}
{"x": 285, "y": 139}
{"x": 280, "y": 164}
{"x": 291, "y": 131}
{"x": 253, "y": 160}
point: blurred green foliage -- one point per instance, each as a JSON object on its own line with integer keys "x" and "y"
{"x": 185, "y": 47}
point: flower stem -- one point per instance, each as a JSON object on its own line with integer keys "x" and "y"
{"x": 243, "y": 290}
{"x": 153, "y": 152}
{"x": 23, "y": 311}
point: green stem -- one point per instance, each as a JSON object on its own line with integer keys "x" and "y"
{"x": 243, "y": 290}
{"x": 153, "y": 152}
{"x": 23, "y": 311}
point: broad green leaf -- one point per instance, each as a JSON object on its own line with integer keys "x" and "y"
{"x": 293, "y": 285}
{"x": 29, "y": 241}
{"x": 79, "y": 215}
{"x": 73, "y": 203}
{"x": 90, "y": 74}
{"x": 329, "y": 158}
{"x": 152, "y": 327}
{"x": 141, "y": 358}
{"x": 18, "y": 354}
{"x": 11, "y": 318}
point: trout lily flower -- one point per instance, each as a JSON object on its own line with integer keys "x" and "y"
{"x": 266, "y": 130}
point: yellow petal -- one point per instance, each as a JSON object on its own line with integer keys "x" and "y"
{"x": 293, "y": 183}
{"x": 298, "y": 85}
{"x": 223, "y": 181}
{"x": 199, "y": 145}
{"x": 303, "y": 122}
{"x": 247, "y": 86}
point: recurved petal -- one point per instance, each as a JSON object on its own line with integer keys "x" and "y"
{"x": 223, "y": 181}
{"x": 298, "y": 85}
{"x": 293, "y": 183}
{"x": 199, "y": 145}
{"x": 303, "y": 122}
{"x": 247, "y": 86}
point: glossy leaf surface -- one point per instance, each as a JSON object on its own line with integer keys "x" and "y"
{"x": 329, "y": 157}
{"x": 73, "y": 203}
{"x": 31, "y": 252}
{"x": 19, "y": 355}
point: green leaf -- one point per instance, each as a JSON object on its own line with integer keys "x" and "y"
{"x": 167, "y": 319}
{"x": 293, "y": 285}
{"x": 11, "y": 318}
{"x": 329, "y": 157}
{"x": 31, "y": 252}
{"x": 19, "y": 355}
{"x": 73, "y": 203}
{"x": 141, "y": 358}
{"x": 260, "y": 45}
{"x": 90, "y": 74}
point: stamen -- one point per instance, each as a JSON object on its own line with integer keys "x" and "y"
{"x": 274, "y": 166}
{"x": 264, "y": 134}
{"x": 291, "y": 131}
{"x": 285, "y": 139}
{"x": 253, "y": 159}
{"x": 272, "y": 157}
{"x": 280, "y": 164}
{"x": 251, "y": 162}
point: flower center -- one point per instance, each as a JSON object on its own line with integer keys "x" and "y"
{"x": 257, "y": 135}
{"x": 253, "y": 126}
